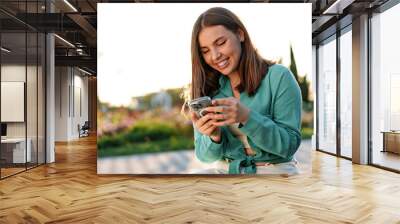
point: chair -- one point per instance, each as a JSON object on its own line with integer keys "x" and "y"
{"x": 84, "y": 130}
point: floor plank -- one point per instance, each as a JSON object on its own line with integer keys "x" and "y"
{"x": 70, "y": 191}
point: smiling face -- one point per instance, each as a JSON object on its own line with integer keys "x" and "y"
{"x": 221, "y": 48}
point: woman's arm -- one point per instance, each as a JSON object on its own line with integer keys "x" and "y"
{"x": 207, "y": 150}
{"x": 279, "y": 135}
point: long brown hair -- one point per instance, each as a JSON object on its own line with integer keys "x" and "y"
{"x": 252, "y": 67}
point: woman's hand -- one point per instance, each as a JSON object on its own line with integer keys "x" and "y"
{"x": 205, "y": 125}
{"x": 228, "y": 111}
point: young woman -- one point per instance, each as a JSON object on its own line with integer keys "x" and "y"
{"x": 253, "y": 125}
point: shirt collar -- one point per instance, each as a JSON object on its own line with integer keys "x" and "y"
{"x": 224, "y": 86}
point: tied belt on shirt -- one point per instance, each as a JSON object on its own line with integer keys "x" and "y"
{"x": 247, "y": 163}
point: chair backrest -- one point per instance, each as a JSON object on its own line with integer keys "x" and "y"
{"x": 86, "y": 125}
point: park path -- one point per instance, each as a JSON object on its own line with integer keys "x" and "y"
{"x": 178, "y": 162}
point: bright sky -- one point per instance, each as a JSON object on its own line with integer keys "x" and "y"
{"x": 145, "y": 47}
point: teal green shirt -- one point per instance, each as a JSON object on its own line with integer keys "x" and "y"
{"x": 273, "y": 127}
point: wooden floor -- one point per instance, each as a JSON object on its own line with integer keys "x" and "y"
{"x": 10, "y": 171}
{"x": 70, "y": 191}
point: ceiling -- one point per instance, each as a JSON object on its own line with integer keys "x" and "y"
{"x": 77, "y": 25}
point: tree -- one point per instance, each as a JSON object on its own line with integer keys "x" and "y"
{"x": 302, "y": 81}
{"x": 292, "y": 65}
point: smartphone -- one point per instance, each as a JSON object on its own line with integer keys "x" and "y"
{"x": 198, "y": 105}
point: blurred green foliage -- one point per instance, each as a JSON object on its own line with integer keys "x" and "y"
{"x": 170, "y": 144}
{"x": 306, "y": 132}
{"x": 145, "y": 131}
{"x": 147, "y": 136}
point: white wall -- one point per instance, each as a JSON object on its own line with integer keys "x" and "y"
{"x": 33, "y": 126}
{"x": 16, "y": 73}
{"x": 62, "y": 81}
{"x": 71, "y": 94}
